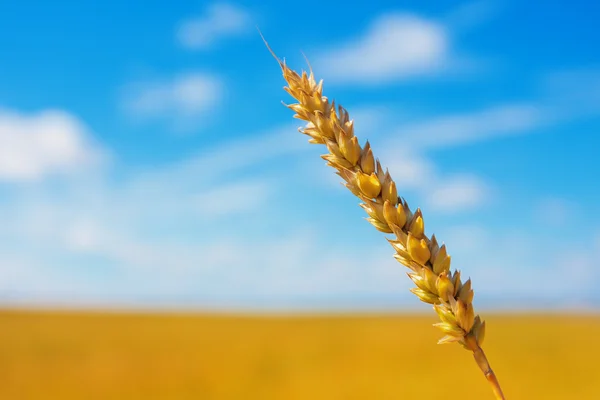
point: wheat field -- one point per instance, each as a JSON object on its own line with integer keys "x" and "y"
{"x": 94, "y": 355}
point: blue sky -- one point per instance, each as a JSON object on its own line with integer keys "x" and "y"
{"x": 146, "y": 159}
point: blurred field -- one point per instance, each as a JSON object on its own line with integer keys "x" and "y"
{"x": 126, "y": 356}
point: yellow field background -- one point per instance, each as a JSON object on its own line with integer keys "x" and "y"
{"x": 77, "y": 355}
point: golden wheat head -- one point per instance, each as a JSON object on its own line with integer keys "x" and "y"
{"x": 429, "y": 263}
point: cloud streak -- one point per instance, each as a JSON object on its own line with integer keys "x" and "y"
{"x": 462, "y": 129}
{"x": 182, "y": 99}
{"x": 458, "y": 193}
{"x": 220, "y": 20}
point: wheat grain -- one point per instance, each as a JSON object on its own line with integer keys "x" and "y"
{"x": 364, "y": 176}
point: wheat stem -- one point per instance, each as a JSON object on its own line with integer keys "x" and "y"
{"x": 485, "y": 367}
{"x": 429, "y": 262}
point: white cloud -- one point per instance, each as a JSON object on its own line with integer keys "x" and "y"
{"x": 460, "y": 129}
{"x": 395, "y": 46}
{"x": 33, "y": 146}
{"x": 409, "y": 168}
{"x": 458, "y": 193}
{"x": 220, "y": 20}
{"x": 185, "y": 97}
{"x": 400, "y": 46}
{"x": 446, "y": 193}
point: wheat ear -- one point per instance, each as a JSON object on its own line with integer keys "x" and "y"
{"x": 429, "y": 262}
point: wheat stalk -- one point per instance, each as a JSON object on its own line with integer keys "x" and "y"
{"x": 429, "y": 262}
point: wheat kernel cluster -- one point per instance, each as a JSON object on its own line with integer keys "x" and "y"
{"x": 365, "y": 177}
{"x": 429, "y": 263}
